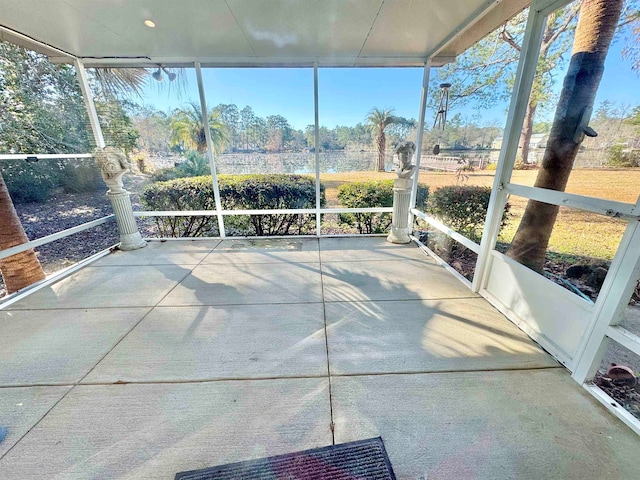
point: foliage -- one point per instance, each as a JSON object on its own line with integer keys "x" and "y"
{"x": 622, "y": 156}
{"x": 237, "y": 192}
{"x": 377, "y": 121}
{"x": 462, "y": 208}
{"x": 189, "y": 131}
{"x": 630, "y": 26}
{"x": 485, "y": 73}
{"x": 195, "y": 165}
{"x": 154, "y": 130}
{"x": 41, "y": 105}
{"x": 37, "y": 181}
{"x": 375, "y": 193}
{"x": 116, "y": 125}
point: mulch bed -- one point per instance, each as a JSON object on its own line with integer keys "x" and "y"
{"x": 626, "y": 395}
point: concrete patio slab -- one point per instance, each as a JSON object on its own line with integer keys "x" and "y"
{"x": 426, "y": 336}
{"x": 59, "y": 346}
{"x": 21, "y": 408}
{"x": 249, "y": 284}
{"x": 389, "y": 280}
{"x": 170, "y": 252}
{"x": 268, "y": 250}
{"x": 93, "y": 287}
{"x": 154, "y": 431}
{"x": 205, "y": 343}
{"x": 486, "y": 425}
{"x": 368, "y": 248}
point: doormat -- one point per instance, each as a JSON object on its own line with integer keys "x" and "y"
{"x": 364, "y": 459}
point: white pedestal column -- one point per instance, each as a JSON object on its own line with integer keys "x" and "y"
{"x": 400, "y": 223}
{"x": 113, "y": 165}
{"x": 130, "y": 238}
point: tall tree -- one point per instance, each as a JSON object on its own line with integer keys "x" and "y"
{"x": 188, "y": 129}
{"x": 593, "y": 35}
{"x": 228, "y": 114}
{"x": 280, "y": 132}
{"x": 247, "y": 118}
{"x": 377, "y": 121}
{"x": 485, "y": 73}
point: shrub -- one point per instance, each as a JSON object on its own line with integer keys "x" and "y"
{"x": 622, "y": 156}
{"x": 462, "y": 208}
{"x": 166, "y": 174}
{"x": 38, "y": 181}
{"x": 237, "y": 192}
{"x": 375, "y": 193}
{"x": 81, "y": 177}
{"x": 491, "y": 166}
{"x": 195, "y": 164}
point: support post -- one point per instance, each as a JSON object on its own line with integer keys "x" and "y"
{"x": 519, "y": 99}
{"x": 423, "y": 108}
{"x": 402, "y": 194}
{"x": 113, "y": 165}
{"x": 210, "y": 154}
{"x": 611, "y": 303}
{"x": 316, "y": 150}
{"x": 89, "y": 105}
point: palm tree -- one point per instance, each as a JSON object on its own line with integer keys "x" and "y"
{"x": 377, "y": 121}
{"x": 22, "y": 269}
{"x": 593, "y": 35}
{"x": 188, "y": 129}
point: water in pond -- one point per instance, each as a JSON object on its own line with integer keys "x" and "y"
{"x": 300, "y": 163}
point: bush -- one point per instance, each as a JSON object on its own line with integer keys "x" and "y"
{"x": 462, "y": 208}
{"x": 237, "y": 192}
{"x": 38, "y": 181}
{"x": 81, "y": 177}
{"x": 622, "y": 156}
{"x": 195, "y": 164}
{"x": 378, "y": 193}
{"x": 491, "y": 166}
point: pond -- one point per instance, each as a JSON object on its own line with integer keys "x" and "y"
{"x": 300, "y": 162}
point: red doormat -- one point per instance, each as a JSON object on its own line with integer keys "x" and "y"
{"x": 361, "y": 460}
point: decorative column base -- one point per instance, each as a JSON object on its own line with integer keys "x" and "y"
{"x": 400, "y": 223}
{"x": 130, "y": 238}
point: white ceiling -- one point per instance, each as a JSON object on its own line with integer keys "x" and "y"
{"x": 253, "y": 32}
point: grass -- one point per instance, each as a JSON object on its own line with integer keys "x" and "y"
{"x": 576, "y": 233}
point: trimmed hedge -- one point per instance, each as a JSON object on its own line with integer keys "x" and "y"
{"x": 463, "y": 208}
{"x": 377, "y": 193}
{"x": 237, "y": 192}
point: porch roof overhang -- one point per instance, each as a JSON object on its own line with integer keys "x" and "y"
{"x": 250, "y": 33}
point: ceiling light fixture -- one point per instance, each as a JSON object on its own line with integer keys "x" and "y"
{"x": 157, "y": 75}
{"x": 170, "y": 75}
{"x": 150, "y": 23}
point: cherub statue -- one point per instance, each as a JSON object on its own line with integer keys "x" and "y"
{"x": 405, "y": 151}
{"x": 113, "y": 165}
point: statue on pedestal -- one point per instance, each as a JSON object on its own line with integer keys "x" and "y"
{"x": 113, "y": 165}
{"x": 402, "y": 194}
{"x": 405, "y": 151}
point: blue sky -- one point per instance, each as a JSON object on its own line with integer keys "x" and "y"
{"x": 346, "y": 95}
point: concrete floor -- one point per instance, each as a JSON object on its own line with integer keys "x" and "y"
{"x": 189, "y": 354}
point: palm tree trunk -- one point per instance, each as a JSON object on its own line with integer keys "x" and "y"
{"x": 381, "y": 144}
{"x": 593, "y": 35}
{"x": 23, "y": 269}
